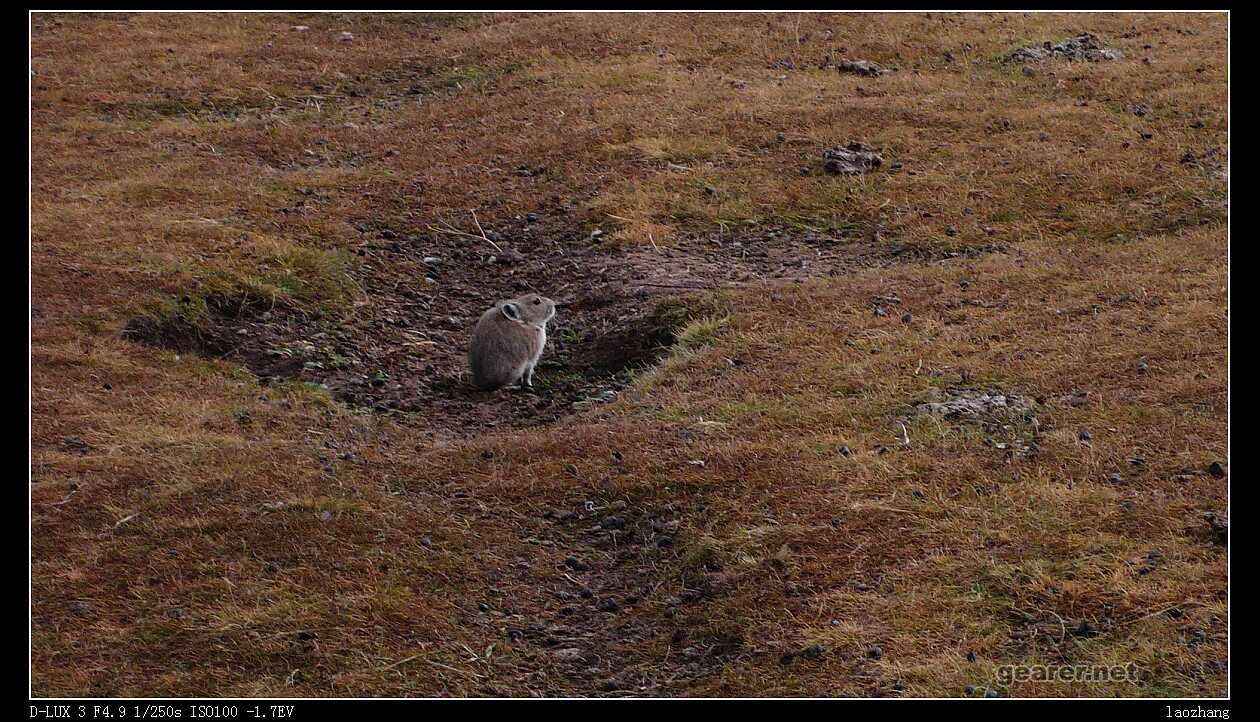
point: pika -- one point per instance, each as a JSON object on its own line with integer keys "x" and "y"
{"x": 508, "y": 340}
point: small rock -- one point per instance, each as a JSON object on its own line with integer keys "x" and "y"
{"x": 813, "y": 651}
{"x": 1218, "y": 527}
{"x": 577, "y": 565}
{"x": 75, "y": 444}
{"x": 346, "y": 36}
{"x": 1217, "y": 470}
{"x": 991, "y": 693}
{"x": 874, "y": 652}
{"x": 300, "y": 28}
{"x": 569, "y": 654}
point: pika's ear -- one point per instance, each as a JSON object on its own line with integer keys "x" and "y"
{"x": 512, "y": 311}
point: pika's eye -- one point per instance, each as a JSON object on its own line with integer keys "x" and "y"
{"x": 537, "y": 301}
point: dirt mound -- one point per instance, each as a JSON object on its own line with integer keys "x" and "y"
{"x": 861, "y": 67}
{"x": 852, "y": 159}
{"x": 1008, "y": 420}
{"x": 1080, "y": 47}
{"x": 959, "y": 403}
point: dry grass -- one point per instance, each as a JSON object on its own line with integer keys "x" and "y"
{"x": 195, "y": 533}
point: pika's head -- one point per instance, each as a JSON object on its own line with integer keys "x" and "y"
{"x": 531, "y": 308}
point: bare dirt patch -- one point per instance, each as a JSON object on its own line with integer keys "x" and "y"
{"x": 400, "y": 349}
{"x": 604, "y": 596}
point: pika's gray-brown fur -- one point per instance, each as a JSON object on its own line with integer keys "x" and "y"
{"x": 508, "y": 341}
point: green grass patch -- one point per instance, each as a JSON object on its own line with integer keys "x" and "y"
{"x": 700, "y": 332}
